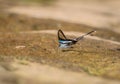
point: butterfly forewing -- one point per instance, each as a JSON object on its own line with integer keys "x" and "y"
{"x": 61, "y": 35}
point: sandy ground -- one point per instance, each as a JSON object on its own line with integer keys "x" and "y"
{"x": 95, "y": 13}
{"x": 24, "y": 72}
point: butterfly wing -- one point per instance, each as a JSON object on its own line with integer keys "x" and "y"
{"x": 63, "y": 41}
{"x": 81, "y": 37}
{"x": 61, "y": 35}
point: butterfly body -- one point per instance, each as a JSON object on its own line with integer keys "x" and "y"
{"x": 67, "y": 43}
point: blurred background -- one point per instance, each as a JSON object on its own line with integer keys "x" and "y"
{"x": 96, "y": 14}
{"x": 29, "y": 45}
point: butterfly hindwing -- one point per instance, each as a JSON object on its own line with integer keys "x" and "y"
{"x": 63, "y": 41}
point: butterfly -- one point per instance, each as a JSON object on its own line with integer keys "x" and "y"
{"x": 64, "y": 42}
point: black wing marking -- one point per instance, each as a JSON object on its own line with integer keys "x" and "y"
{"x": 61, "y": 35}
{"x": 81, "y": 37}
